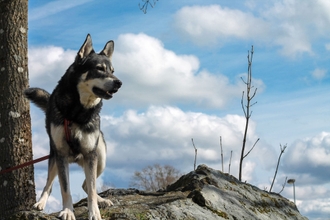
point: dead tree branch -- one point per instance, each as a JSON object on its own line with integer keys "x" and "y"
{"x": 252, "y": 147}
{"x": 278, "y": 163}
{"x": 221, "y": 153}
{"x": 192, "y": 140}
{"x": 283, "y": 185}
{"x": 231, "y": 155}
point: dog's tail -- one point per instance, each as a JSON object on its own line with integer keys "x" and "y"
{"x": 38, "y": 96}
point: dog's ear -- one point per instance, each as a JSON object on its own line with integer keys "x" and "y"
{"x": 108, "y": 49}
{"x": 86, "y": 48}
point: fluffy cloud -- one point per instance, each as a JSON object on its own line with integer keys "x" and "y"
{"x": 209, "y": 24}
{"x": 298, "y": 23}
{"x": 47, "y": 65}
{"x": 292, "y": 25}
{"x": 144, "y": 65}
{"x": 309, "y": 159}
{"x": 163, "y": 135}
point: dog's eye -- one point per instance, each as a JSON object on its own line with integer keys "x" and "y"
{"x": 101, "y": 68}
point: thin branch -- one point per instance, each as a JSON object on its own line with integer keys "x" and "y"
{"x": 231, "y": 155}
{"x": 253, "y": 104}
{"x": 283, "y": 185}
{"x": 242, "y": 104}
{"x": 145, "y": 5}
{"x": 278, "y": 163}
{"x": 243, "y": 81}
{"x": 192, "y": 140}
{"x": 255, "y": 91}
{"x": 221, "y": 153}
{"x": 252, "y": 147}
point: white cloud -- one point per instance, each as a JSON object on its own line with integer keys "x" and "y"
{"x": 319, "y": 74}
{"x": 298, "y": 23}
{"x": 163, "y": 134}
{"x": 152, "y": 74}
{"x": 47, "y": 65}
{"x": 293, "y": 25}
{"x": 207, "y": 25}
{"x": 248, "y": 171}
{"x": 310, "y": 158}
{"x": 318, "y": 208}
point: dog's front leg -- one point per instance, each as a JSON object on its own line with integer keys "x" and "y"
{"x": 101, "y": 162}
{"x": 90, "y": 168}
{"x": 52, "y": 172}
{"x": 63, "y": 176}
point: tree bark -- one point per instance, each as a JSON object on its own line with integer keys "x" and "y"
{"x": 17, "y": 189}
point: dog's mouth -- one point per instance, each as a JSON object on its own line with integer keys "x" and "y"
{"x": 104, "y": 94}
{"x": 108, "y": 90}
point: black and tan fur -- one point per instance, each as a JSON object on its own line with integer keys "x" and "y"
{"x": 78, "y": 99}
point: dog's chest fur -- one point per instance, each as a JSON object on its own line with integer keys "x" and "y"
{"x": 82, "y": 142}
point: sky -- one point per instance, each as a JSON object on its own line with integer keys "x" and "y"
{"x": 182, "y": 65}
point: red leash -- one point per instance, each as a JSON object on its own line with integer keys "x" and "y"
{"x": 67, "y": 137}
{"x": 24, "y": 164}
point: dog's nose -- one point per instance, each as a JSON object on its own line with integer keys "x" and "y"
{"x": 117, "y": 83}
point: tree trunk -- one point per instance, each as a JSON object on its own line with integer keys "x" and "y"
{"x": 17, "y": 189}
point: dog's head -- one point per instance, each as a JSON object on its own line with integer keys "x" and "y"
{"x": 96, "y": 80}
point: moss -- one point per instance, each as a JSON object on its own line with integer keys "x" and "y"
{"x": 218, "y": 212}
{"x": 222, "y": 214}
{"x": 242, "y": 203}
{"x": 277, "y": 204}
{"x": 141, "y": 216}
{"x": 233, "y": 182}
{"x": 253, "y": 209}
{"x": 265, "y": 195}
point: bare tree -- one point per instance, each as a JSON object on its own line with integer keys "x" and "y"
{"x": 17, "y": 189}
{"x": 278, "y": 163}
{"x": 153, "y": 178}
{"x": 247, "y": 109}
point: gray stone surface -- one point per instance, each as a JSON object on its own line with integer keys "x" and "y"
{"x": 202, "y": 194}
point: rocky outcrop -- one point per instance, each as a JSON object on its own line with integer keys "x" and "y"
{"x": 202, "y": 194}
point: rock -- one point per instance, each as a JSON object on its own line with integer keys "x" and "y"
{"x": 202, "y": 194}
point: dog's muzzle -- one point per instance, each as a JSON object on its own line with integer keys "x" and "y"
{"x": 109, "y": 88}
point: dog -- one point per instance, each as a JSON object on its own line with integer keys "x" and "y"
{"x": 73, "y": 125}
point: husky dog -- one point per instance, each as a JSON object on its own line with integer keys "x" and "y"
{"x": 73, "y": 125}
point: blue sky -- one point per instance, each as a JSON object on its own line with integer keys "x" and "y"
{"x": 181, "y": 66}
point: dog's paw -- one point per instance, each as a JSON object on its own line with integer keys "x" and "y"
{"x": 67, "y": 214}
{"x": 94, "y": 212}
{"x": 103, "y": 202}
{"x": 39, "y": 206}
